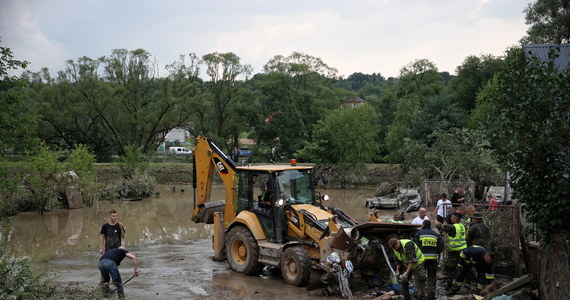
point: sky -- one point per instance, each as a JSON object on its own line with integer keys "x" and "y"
{"x": 367, "y": 36}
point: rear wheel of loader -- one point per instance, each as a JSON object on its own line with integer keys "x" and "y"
{"x": 296, "y": 266}
{"x": 242, "y": 251}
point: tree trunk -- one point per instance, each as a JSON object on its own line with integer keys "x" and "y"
{"x": 555, "y": 269}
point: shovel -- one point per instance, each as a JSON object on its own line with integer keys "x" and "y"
{"x": 111, "y": 292}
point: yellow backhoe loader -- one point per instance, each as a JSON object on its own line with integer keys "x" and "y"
{"x": 272, "y": 216}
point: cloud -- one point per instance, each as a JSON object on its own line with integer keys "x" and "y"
{"x": 22, "y": 33}
{"x": 360, "y": 36}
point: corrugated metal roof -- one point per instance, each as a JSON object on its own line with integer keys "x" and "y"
{"x": 541, "y": 52}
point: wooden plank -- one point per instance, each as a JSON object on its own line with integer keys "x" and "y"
{"x": 518, "y": 282}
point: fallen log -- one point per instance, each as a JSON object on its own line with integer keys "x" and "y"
{"x": 516, "y": 283}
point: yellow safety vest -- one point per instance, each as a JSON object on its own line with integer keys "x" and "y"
{"x": 457, "y": 242}
{"x": 404, "y": 258}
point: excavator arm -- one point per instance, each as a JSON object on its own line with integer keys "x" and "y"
{"x": 208, "y": 158}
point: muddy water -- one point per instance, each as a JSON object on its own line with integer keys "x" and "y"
{"x": 174, "y": 252}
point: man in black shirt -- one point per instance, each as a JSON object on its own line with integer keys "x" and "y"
{"x": 111, "y": 233}
{"x": 109, "y": 268}
{"x": 457, "y": 198}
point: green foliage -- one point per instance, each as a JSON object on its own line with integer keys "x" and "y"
{"x": 8, "y": 188}
{"x": 437, "y": 113}
{"x": 126, "y": 106}
{"x": 139, "y": 185}
{"x": 450, "y": 154}
{"x": 133, "y": 160}
{"x": 294, "y": 94}
{"x": 68, "y": 106}
{"x": 533, "y": 106}
{"x": 299, "y": 63}
{"x": 472, "y": 75}
{"x": 82, "y": 162}
{"x": 346, "y": 136}
{"x": 483, "y": 117}
{"x": 399, "y": 129}
{"x": 7, "y": 62}
{"x": 16, "y": 123}
{"x": 359, "y": 81}
{"x": 420, "y": 77}
{"x": 42, "y": 166}
{"x": 226, "y": 74}
{"x": 549, "y": 22}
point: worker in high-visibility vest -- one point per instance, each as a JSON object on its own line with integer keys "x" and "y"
{"x": 455, "y": 243}
{"x": 478, "y": 258}
{"x": 409, "y": 255}
{"x": 431, "y": 245}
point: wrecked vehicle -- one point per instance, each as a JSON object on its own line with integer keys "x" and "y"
{"x": 382, "y": 203}
{"x": 272, "y": 217}
{"x": 407, "y": 200}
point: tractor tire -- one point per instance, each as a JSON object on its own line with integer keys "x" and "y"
{"x": 296, "y": 266}
{"x": 242, "y": 251}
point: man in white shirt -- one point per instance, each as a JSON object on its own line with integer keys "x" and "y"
{"x": 442, "y": 208}
{"x": 419, "y": 220}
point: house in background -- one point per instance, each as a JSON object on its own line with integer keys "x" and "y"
{"x": 177, "y": 134}
{"x": 352, "y": 101}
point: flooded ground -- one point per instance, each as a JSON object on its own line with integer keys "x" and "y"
{"x": 174, "y": 252}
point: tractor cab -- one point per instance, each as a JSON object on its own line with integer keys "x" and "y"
{"x": 267, "y": 190}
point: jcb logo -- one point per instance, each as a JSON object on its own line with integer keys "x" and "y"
{"x": 220, "y": 165}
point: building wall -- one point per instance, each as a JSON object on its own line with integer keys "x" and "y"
{"x": 177, "y": 134}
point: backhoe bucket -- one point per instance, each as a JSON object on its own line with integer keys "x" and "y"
{"x": 206, "y": 214}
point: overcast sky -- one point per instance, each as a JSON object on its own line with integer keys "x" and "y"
{"x": 369, "y": 36}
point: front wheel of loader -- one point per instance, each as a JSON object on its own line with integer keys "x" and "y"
{"x": 242, "y": 251}
{"x": 296, "y": 266}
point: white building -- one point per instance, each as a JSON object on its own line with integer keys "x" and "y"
{"x": 177, "y": 134}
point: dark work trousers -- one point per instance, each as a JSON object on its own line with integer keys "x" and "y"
{"x": 451, "y": 265}
{"x": 431, "y": 270}
{"x": 419, "y": 275}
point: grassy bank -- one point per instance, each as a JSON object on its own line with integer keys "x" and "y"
{"x": 181, "y": 173}
{"x": 164, "y": 173}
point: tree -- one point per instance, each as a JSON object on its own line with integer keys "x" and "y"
{"x": 294, "y": 93}
{"x": 65, "y": 106}
{"x": 450, "y": 154}
{"x": 347, "y": 138}
{"x": 549, "y": 22}
{"x": 420, "y": 77}
{"x": 42, "y": 167}
{"x": 82, "y": 163}
{"x": 398, "y": 131}
{"x": 484, "y": 116}
{"x": 17, "y": 124}
{"x": 225, "y": 71}
{"x": 436, "y": 113}
{"x": 532, "y": 105}
{"x": 472, "y": 75}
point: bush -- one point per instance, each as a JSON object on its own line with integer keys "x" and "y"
{"x": 140, "y": 185}
{"x": 134, "y": 160}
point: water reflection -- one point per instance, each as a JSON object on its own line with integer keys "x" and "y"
{"x": 65, "y": 233}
